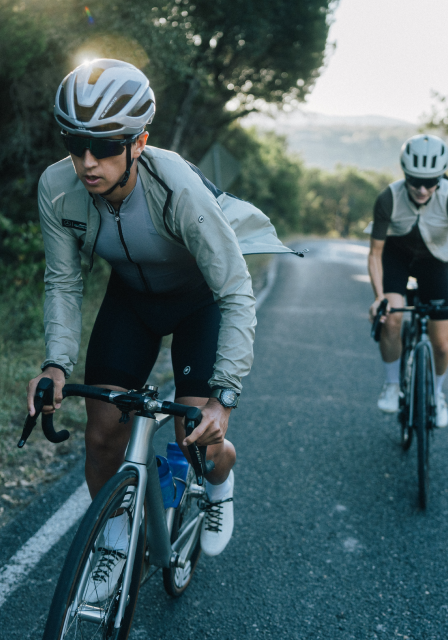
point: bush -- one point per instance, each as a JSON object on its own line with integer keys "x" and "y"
{"x": 340, "y": 203}
{"x": 270, "y": 178}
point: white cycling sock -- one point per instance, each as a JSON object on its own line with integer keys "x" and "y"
{"x": 439, "y": 382}
{"x": 217, "y": 492}
{"x": 392, "y": 371}
{"x": 116, "y": 533}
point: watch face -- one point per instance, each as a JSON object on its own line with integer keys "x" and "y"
{"x": 228, "y": 397}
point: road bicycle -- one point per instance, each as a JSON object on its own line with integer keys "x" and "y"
{"x": 417, "y": 399}
{"x": 158, "y": 537}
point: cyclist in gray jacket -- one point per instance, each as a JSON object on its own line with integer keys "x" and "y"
{"x": 176, "y": 244}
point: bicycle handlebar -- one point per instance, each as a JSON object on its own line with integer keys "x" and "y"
{"x": 144, "y": 400}
{"x": 421, "y": 309}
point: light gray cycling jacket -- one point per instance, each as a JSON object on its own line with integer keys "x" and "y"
{"x": 216, "y": 228}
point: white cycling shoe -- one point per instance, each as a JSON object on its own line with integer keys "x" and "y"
{"x": 217, "y": 526}
{"x": 441, "y": 411}
{"x": 388, "y": 400}
{"x": 104, "y": 577}
{"x": 109, "y": 560}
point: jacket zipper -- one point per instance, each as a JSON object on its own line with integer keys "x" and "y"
{"x": 97, "y": 234}
{"x": 116, "y": 215}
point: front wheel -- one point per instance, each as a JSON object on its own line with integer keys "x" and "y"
{"x": 83, "y": 608}
{"x": 405, "y": 384}
{"x": 423, "y": 410}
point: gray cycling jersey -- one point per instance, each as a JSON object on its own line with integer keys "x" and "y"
{"x": 143, "y": 259}
{"x": 397, "y": 215}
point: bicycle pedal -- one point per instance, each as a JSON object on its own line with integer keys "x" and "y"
{"x": 196, "y": 491}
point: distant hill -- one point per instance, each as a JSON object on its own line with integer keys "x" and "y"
{"x": 367, "y": 142}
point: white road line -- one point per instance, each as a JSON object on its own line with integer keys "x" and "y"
{"x": 24, "y": 561}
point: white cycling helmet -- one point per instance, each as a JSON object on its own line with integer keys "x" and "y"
{"x": 424, "y": 156}
{"x": 105, "y": 98}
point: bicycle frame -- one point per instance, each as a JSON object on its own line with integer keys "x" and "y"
{"x": 140, "y": 456}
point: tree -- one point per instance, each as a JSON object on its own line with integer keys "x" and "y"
{"x": 204, "y": 54}
{"x": 270, "y": 178}
{"x": 241, "y": 51}
{"x": 339, "y": 203}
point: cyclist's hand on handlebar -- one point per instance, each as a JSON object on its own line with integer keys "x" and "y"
{"x": 213, "y": 426}
{"x": 58, "y": 380}
{"x": 374, "y": 310}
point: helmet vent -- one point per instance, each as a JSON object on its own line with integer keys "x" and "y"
{"x": 96, "y": 73}
{"x": 85, "y": 114}
{"x": 62, "y": 101}
{"x": 111, "y": 126}
{"x": 415, "y": 157}
{"x": 139, "y": 110}
{"x": 121, "y": 99}
{"x": 65, "y": 123}
{"x": 424, "y": 160}
{"x": 433, "y": 163}
{"x": 408, "y": 149}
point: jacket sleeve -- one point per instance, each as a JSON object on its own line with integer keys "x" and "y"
{"x": 199, "y": 221}
{"x": 63, "y": 286}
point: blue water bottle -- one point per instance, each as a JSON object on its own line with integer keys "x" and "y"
{"x": 179, "y": 467}
{"x": 166, "y": 482}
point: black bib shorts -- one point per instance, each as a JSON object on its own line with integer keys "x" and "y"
{"x": 128, "y": 330}
{"x": 400, "y": 262}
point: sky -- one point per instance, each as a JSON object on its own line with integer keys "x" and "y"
{"x": 390, "y": 56}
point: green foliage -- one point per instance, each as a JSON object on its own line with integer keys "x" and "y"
{"x": 298, "y": 199}
{"x": 270, "y": 177}
{"x": 198, "y": 57}
{"x": 341, "y": 203}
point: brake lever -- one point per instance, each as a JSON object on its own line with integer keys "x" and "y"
{"x": 43, "y": 396}
{"x": 198, "y": 454}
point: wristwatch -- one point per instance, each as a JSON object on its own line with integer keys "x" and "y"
{"x": 227, "y": 397}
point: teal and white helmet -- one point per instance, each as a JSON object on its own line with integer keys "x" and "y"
{"x": 105, "y": 98}
{"x": 424, "y": 156}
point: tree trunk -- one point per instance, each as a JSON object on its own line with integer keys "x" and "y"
{"x": 184, "y": 114}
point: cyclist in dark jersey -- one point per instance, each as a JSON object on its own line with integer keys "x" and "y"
{"x": 410, "y": 238}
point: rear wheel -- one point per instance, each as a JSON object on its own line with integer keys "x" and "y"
{"x": 423, "y": 416}
{"x": 175, "y": 579}
{"x": 72, "y": 616}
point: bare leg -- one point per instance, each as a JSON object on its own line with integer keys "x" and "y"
{"x": 223, "y": 454}
{"x": 390, "y": 342}
{"x": 106, "y": 441}
{"x": 438, "y": 333}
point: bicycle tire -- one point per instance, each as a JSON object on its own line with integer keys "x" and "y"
{"x": 405, "y": 382}
{"x": 176, "y": 580}
{"x": 62, "y": 623}
{"x": 422, "y": 422}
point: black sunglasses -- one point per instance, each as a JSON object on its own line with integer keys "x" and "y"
{"x": 428, "y": 183}
{"x": 98, "y": 147}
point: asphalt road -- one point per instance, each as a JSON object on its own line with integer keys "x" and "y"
{"x": 329, "y": 541}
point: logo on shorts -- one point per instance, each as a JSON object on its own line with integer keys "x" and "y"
{"x": 187, "y": 371}
{"x": 201, "y": 218}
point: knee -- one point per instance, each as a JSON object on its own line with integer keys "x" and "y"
{"x": 100, "y": 445}
{"x": 392, "y": 326}
{"x": 440, "y": 348}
